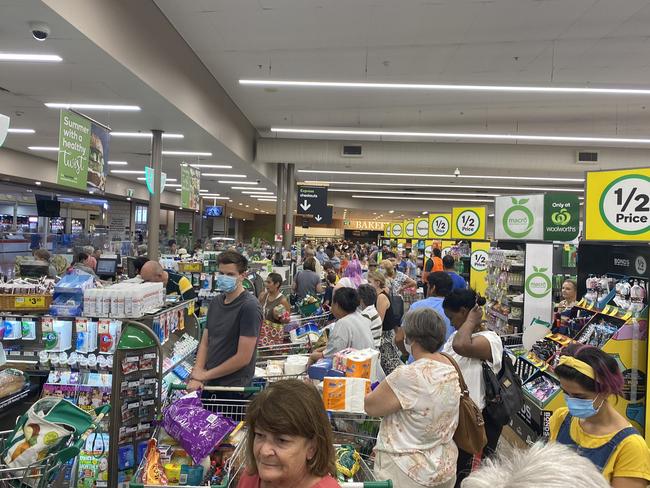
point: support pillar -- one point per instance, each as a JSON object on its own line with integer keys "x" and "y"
{"x": 153, "y": 217}
{"x": 279, "y": 206}
{"x": 290, "y": 195}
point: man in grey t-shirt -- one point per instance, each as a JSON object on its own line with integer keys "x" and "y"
{"x": 307, "y": 281}
{"x": 226, "y": 353}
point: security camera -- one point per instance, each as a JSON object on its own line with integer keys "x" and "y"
{"x": 258, "y": 181}
{"x": 456, "y": 172}
{"x": 40, "y": 30}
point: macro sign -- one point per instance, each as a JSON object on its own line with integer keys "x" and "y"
{"x": 519, "y": 217}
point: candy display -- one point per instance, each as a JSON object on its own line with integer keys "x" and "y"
{"x": 542, "y": 388}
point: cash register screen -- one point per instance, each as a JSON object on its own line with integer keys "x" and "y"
{"x": 106, "y": 267}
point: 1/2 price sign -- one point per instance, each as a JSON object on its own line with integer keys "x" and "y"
{"x": 617, "y": 205}
{"x": 468, "y": 223}
{"x": 439, "y": 226}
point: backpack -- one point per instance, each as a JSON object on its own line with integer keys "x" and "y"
{"x": 503, "y": 393}
{"x": 394, "y": 319}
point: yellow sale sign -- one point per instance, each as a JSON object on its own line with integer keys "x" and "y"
{"x": 478, "y": 266}
{"x": 387, "y": 232}
{"x": 397, "y": 229}
{"x": 409, "y": 229}
{"x": 439, "y": 226}
{"x": 421, "y": 228}
{"x": 617, "y": 205}
{"x": 468, "y": 223}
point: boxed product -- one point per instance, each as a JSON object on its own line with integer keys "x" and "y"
{"x": 322, "y": 368}
{"x": 345, "y": 394}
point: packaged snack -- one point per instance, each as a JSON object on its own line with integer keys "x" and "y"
{"x": 153, "y": 470}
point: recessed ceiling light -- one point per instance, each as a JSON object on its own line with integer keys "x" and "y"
{"x": 94, "y": 106}
{"x": 459, "y": 135}
{"x": 44, "y": 148}
{"x": 147, "y": 135}
{"x": 247, "y": 206}
{"x": 228, "y": 182}
{"x": 213, "y": 166}
{"x": 377, "y": 197}
{"x": 256, "y": 209}
{"x": 118, "y": 163}
{"x": 14, "y": 130}
{"x": 186, "y": 153}
{"x": 240, "y": 204}
{"x": 425, "y": 212}
{"x": 47, "y": 58}
{"x": 432, "y": 175}
{"x": 38, "y": 183}
{"x": 222, "y": 175}
{"x": 391, "y": 211}
{"x": 128, "y": 171}
{"x": 490, "y": 215}
{"x": 448, "y": 87}
{"x": 128, "y": 199}
{"x": 485, "y": 187}
{"x": 178, "y": 189}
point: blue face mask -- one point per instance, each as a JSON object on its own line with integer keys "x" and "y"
{"x": 581, "y": 408}
{"x": 226, "y": 283}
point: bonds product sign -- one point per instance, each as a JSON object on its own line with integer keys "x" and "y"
{"x": 83, "y": 149}
{"x": 561, "y": 217}
{"x": 439, "y": 226}
{"x": 617, "y": 205}
{"x": 519, "y": 217}
{"x": 312, "y": 200}
{"x": 409, "y": 229}
{"x": 397, "y": 229}
{"x": 422, "y": 228}
{"x": 468, "y": 223}
{"x": 538, "y": 285}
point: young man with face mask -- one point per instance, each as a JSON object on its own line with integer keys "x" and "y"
{"x": 226, "y": 353}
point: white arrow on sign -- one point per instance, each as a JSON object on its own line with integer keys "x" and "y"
{"x": 305, "y": 205}
{"x": 318, "y": 218}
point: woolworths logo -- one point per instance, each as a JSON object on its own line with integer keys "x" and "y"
{"x": 538, "y": 284}
{"x": 518, "y": 220}
{"x": 563, "y": 217}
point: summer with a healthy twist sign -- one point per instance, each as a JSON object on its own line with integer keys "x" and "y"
{"x": 74, "y": 148}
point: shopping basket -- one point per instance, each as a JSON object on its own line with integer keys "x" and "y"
{"x": 49, "y": 471}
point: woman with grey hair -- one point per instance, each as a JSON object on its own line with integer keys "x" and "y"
{"x": 419, "y": 404}
{"x": 542, "y": 466}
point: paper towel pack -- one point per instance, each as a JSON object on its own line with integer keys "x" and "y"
{"x": 345, "y": 394}
{"x": 354, "y": 363}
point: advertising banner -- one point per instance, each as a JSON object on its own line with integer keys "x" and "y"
{"x": 538, "y": 286}
{"x": 468, "y": 223}
{"x": 439, "y": 226}
{"x": 83, "y": 150}
{"x": 478, "y": 266}
{"x": 409, "y": 229}
{"x": 561, "y": 217}
{"x": 617, "y": 205}
{"x": 397, "y": 229}
{"x": 421, "y": 228}
{"x": 149, "y": 176}
{"x": 519, "y": 217}
{"x": 428, "y": 247}
{"x": 190, "y": 186}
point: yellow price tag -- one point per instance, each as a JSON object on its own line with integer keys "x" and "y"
{"x": 30, "y": 302}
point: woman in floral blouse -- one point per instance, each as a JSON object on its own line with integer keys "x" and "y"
{"x": 419, "y": 404}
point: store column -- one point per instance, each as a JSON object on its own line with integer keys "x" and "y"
{"x": 153, "y": 217}
{"x": 279, "y": 207}
{"x": 290, "y": 195}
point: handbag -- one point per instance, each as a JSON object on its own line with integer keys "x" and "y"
{"x": 270, "y": 334}
{"x": 470, "y": 434}
{"x": 503, "y": 393}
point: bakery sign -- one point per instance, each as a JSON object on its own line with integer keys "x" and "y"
{"x": 377, "y": 225}
{"x": 83, "y": 152}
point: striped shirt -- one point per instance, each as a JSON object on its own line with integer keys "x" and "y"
{"x": 375, "y": 323}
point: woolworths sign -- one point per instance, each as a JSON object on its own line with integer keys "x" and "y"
{"x": 519, "y": 217}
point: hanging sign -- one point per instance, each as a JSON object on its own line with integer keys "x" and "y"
{"x": 468, "y": 223}
{"x": 617, "y": 205}
{"x": 519, "y": 217}
{"x": 422, "y": 228}
{"x": 83, "y": 149}
{"x": 561, "y": 217}
{"x": 324, "y": 217}
{"x": 149, "y": 177}
{"x": 387, "y": 229}
{"x": 190, "y": 187}
{"x": 478, "y": 266}
{"x": 538, "y": 285}
{"x": 409, "y": 229}
{"x": 439, "y": 226}
{"x": 312, "y": 200}
{"x": 445, "y": 247}
{"x": 396, "y": 229}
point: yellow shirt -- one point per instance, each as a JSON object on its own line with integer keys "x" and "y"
{"x": 631, "y": 459}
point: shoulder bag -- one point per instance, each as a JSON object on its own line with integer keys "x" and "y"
{"x": 503, "y": 393}
{"x": 470, "y": 434}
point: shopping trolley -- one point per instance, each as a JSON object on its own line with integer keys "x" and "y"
{"x": 292, "y": 343}
{"x": 49, "y": 471}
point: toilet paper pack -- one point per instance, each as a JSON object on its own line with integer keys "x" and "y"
{"x": 345, "y": 394}
{"x": 361, "y": 363}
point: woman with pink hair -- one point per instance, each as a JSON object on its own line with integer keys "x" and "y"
{"x": 352, "y": 276}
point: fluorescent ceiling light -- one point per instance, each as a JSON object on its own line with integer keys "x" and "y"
{"x": 258, "y": 192}
{"x": 460, "y": 135}
{"x": 227, "y": 182}
{"x": 451, "y": 175}
{"x": 204, "y": 191}
{"x": 51, "y": 58}
{"x": 429, "y": 185}
{"x": 258, "y": 189}
{"x": 266, "y": 200}
{"x": 376, "y": 197}
{"x": 213, "y": 166}
{"x": 448, "y": 87}
{"x": 222, "y": 175}
{"x": 186, "y": 153}
{"x": 94, "y": 106}
{"x": 410, "y": 192}
{"x": 170, "y": 180}
{"x": 43, "y": 148}
{"x": 128, "y": 171}
{"x": 146, "y": 135}
{"x": 13, "y": 130}
{"x": 172, "y": 185}
{"x": 211, "y": 195}
{"x": 215, "y": 198}
{"x": 118, "y": 163}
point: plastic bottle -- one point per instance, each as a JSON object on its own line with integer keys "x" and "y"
{"x": 120, "y": 303}
{"x": 106, "y": 303}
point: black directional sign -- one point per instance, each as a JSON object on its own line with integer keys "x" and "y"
{"x": 325, "y": 217}
{"x": 312, "y": 200}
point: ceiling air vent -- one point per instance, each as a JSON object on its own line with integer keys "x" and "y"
{"x": 350, "y": 151}
{"x": 586, "y": 157}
